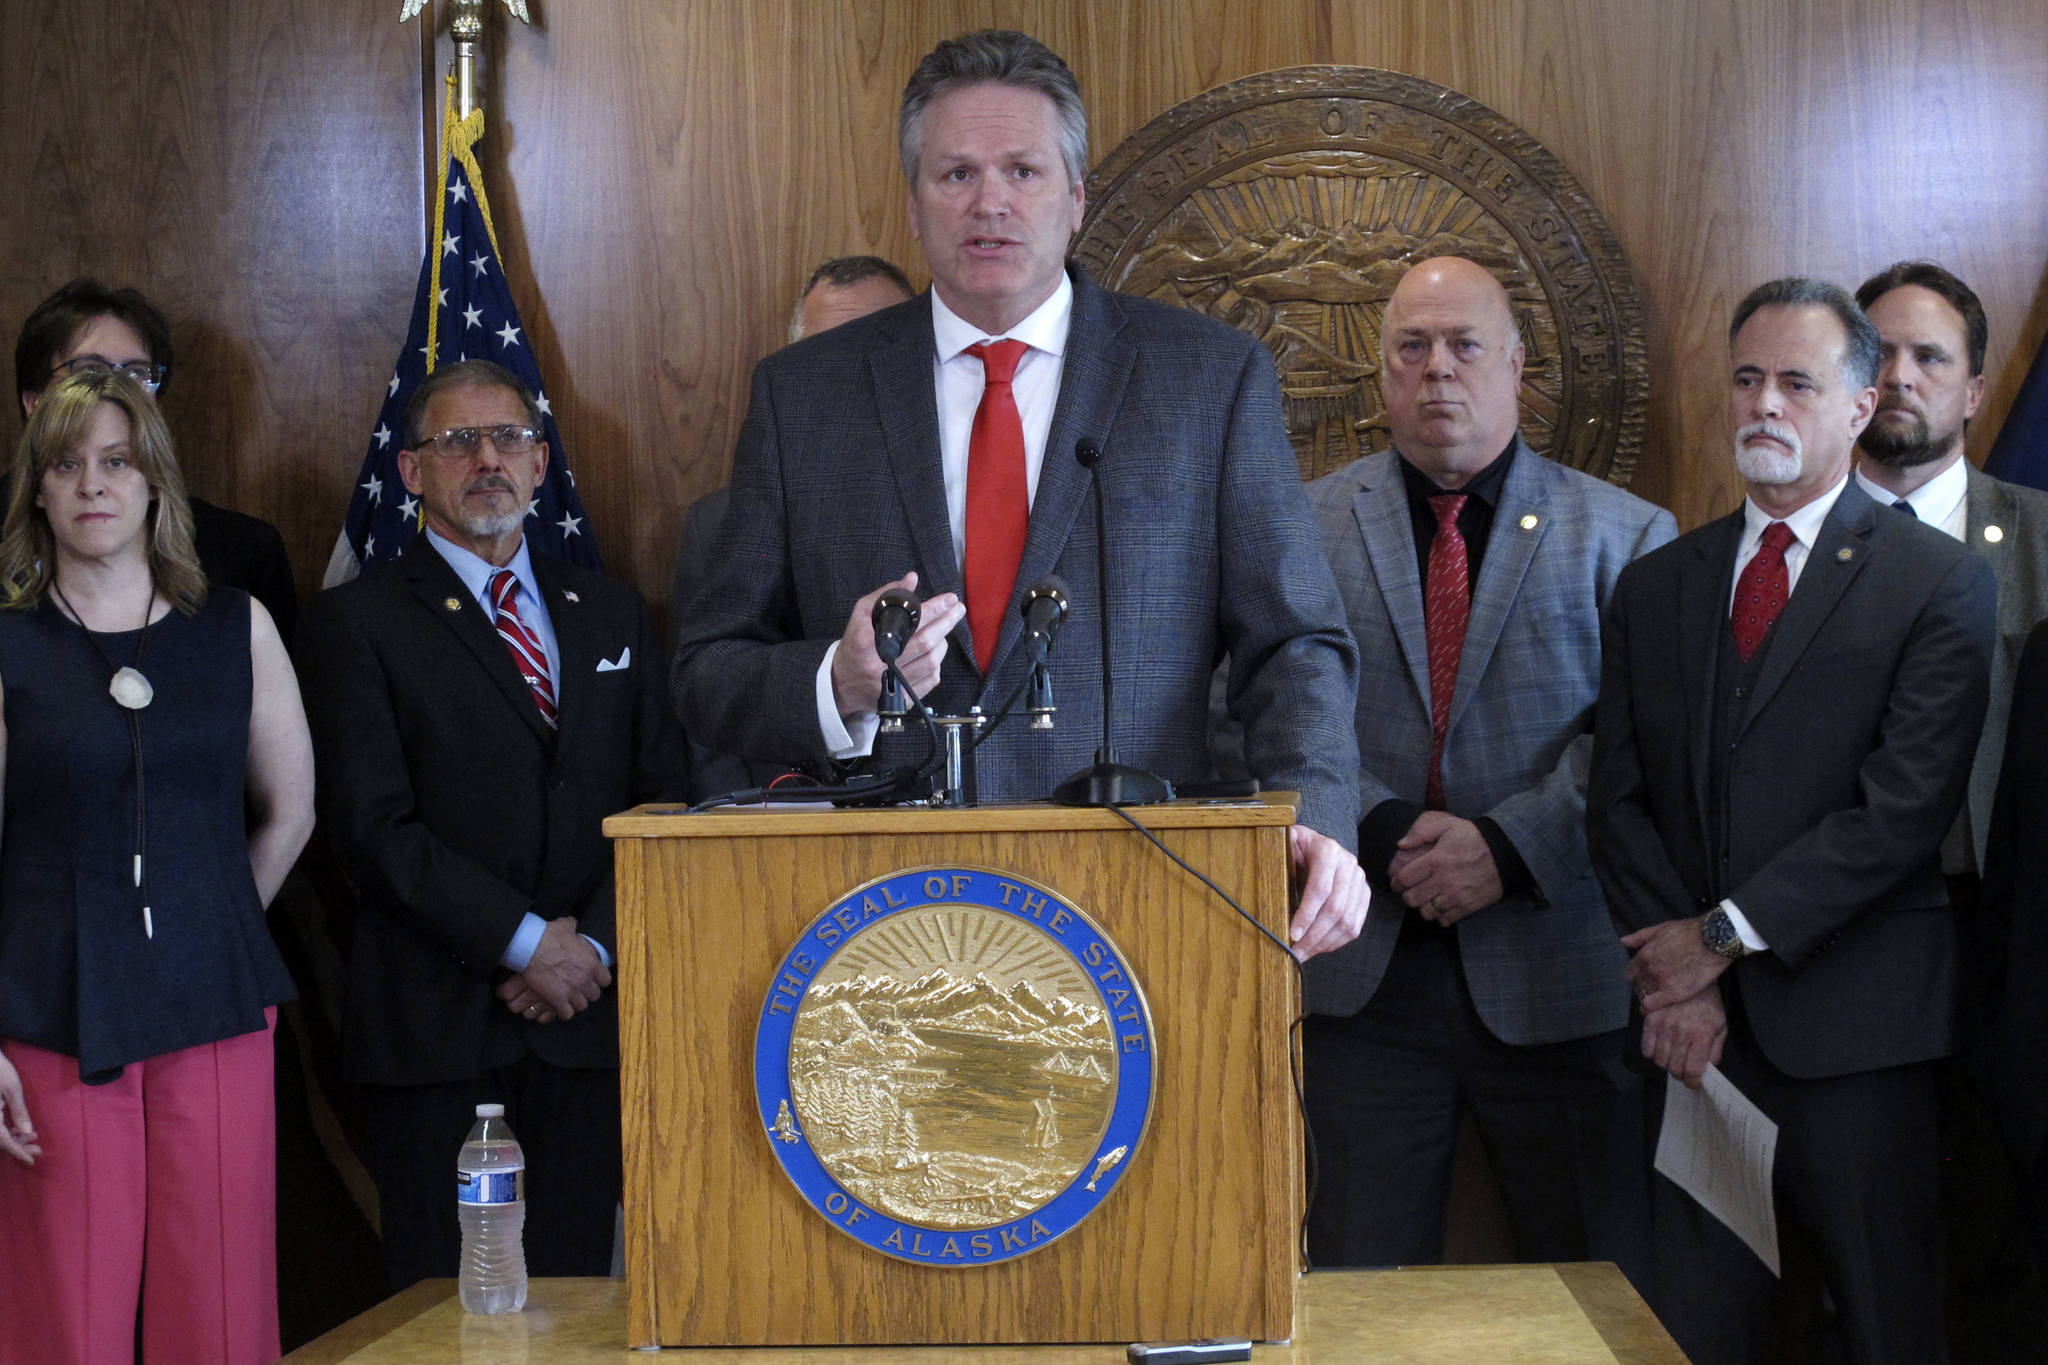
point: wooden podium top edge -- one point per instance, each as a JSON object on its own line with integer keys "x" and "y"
{"x": 674, "y": 822}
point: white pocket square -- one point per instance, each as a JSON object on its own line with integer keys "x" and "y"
{"x": 625, "y": 660}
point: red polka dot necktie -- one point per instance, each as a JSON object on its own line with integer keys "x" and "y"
{"x": 998, "y": 503}
{"x": 527, "y": 655}
{"x": 1761, "y": 591}
{"x": 1446, "y": 608}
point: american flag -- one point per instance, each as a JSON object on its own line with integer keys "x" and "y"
{"x": 462, "y": 310}
{"x": 2020, "y": 454}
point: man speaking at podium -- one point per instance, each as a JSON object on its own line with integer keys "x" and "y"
{"x": 933, "y": 446}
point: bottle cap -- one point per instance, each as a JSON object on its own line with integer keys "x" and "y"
{"x": 490, "y": 1111}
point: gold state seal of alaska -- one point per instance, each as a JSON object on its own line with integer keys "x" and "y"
{"x": 1288, "y": 204}
{"x": 954, "y": 1065}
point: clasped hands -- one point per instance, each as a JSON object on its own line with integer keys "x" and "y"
{"x": 564, "y": 975}
{"x": 1675, "y": 977}
{"x": 1443, "y": 868}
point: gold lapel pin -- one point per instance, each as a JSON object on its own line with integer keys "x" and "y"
{"x": 452, "y": 603}
{"x": 1993, "y": 534}
{"x": 1845, "y": 554}
{"x": 1528, "y": 521}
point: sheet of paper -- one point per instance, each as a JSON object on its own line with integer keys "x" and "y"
{"x": 1720, "y": 1149}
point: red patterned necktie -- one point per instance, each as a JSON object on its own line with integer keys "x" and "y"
{"x": 998, "y": 504}
{"x": 1446, "y": 608}
{"x": 527, "y": 655}
{"x": 1761, "y": 591}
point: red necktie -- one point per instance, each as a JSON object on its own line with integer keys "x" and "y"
{"x": 1446, "y": 607}
{"x": 998, "y": 505}
{"x": 527, "y": 655}
{"x": 1761, "y": 591}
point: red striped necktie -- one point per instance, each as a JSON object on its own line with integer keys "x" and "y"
{"x": 527, "y": 655}
{"x": 1446, "y": 610}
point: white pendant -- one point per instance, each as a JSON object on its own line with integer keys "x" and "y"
{"x": 131, "y": 689}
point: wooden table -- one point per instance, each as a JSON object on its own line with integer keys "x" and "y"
{"x": 1531, "y": 1314}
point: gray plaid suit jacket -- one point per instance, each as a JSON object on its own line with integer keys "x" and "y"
{"x": 837, "y": 489}
{"x": 1520, "y": 734}
{"x": 2019, "y": 563}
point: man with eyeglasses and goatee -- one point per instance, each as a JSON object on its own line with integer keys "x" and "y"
{"x": 87, "y": 326}
{"x": 477, "y": 710}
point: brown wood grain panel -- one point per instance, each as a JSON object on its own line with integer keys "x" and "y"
{"x": 1730, "y": 141}
{"x": 1199, "y": 1235}
{"x": 252, "y": 168}
{"x": 665, "y": 174}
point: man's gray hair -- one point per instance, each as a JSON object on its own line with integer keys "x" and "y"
{"x": 465, "y": 374}
{"x": 1004, "y": 57}
{"x": 843, "y": 272}
{"x": 1863, "y": 350}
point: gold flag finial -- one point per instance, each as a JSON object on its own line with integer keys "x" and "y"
{"x": 466, "y": 25}
{"x": 411, "y": 9}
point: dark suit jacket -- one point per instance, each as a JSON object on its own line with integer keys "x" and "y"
{"x": 2008, "y": 525}
{"x": 713, "y": 772}
{"x": 2007, "y": 1054}
{"x": 1845, "y": 769}
{"x": 1541, "y": 968}
{"x": 456, "y": 810}
{"x": 837, "y": 489}
{"x": 241, "y": 551}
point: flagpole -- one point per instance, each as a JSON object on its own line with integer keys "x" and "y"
{"x": 466, "y": 27}
{"x": 462, "y": 309}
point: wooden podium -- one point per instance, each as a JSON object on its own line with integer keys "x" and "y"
{"x": 1198, "y": 1238}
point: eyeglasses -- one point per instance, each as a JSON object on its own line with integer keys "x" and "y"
{"x": 146, "y": 373}
{"x": 463, "y": 443}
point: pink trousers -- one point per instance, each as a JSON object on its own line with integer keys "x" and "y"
{"x": 161, "y": 1186}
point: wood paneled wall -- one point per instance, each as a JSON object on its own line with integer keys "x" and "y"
{"x": 665, "y": 172}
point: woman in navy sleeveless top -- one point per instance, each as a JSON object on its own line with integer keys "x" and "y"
{"x": 157, "y": 787}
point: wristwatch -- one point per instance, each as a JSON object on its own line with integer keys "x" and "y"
{"x": 1719, "y": 932}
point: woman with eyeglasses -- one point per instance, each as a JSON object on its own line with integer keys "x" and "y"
{"x": 157, "y": 783}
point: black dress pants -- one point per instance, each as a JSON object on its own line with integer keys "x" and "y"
{"x": 1388, "y": 1087}
{"x": 1857, "y": 1185}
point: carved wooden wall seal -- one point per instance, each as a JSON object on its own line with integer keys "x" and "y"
{"x": 1289, "y": 203}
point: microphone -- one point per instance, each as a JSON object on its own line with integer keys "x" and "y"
{"x": 1107, "y": 782}
{"x": 894, "y": 619}
{"x": 1045, "y": 611}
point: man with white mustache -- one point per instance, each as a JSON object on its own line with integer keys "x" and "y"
{"x": 1790, "y": 699}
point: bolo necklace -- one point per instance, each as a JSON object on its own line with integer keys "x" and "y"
{"x": 131, "y": 689}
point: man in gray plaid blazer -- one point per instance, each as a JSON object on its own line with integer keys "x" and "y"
{"x": 854, "y": 472}
{"x": 1489, "y": 980}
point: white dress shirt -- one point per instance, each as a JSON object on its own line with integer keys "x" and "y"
{"x": 1804, "y": 525}
{"x": 957, "y": 384}
{"x": 1940, "y": 502}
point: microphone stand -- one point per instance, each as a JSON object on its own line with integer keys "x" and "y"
{"x": 1107, "y": 782}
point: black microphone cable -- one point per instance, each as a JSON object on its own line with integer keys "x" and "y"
{"x": 1293, "y": 1029}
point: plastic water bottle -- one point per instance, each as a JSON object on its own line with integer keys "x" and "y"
{"x": 490, "y": 1196}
